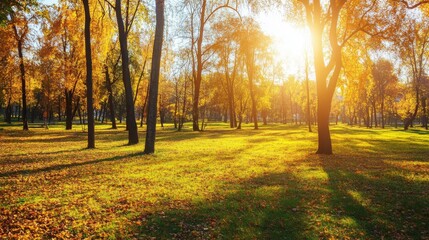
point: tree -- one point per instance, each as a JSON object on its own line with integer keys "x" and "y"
{"x": 8, "y": 68}
{"x": 133, "y": 137}
{"x": 205, "y": 12}
{"x": 413, "y": 46}
{"x": 384, "y": 78}
{"x": 325, "y": 19}
{"x": 226, "y": 47}
{"x": 20, "y": 26}
{"x": 252, "y": 45}
{"x": 89, "y": 101}
{"x": 154, "y": 78}
{"x": 307, "y": 90}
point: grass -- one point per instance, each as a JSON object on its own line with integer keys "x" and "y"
{"x": 217, "y": 184}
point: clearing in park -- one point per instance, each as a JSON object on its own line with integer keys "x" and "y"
{"x": 216, "y": 184}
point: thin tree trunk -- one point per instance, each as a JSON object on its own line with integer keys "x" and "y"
{"x": 145, "y": 106}
{"x": 133, "y": 137}
{"x": 382, "y": 113}
{"x": 79, "y": 113}
{"x": 198, "y": 75}
{"x": 250, "y": 58}
{"x": 307, "y": 80}
{"x": 183, "y": 115}
{"x": 424, "y": 117}
{"x": 105, "y": 112}
{"x": 23, "y": 85}
{"x": 59, "y": 108}
{"x": 154, "y": 78}
{"x": 69, "y": 109}
{"x": 111, "y": 102}
{"x": 8, "y": 112}
{"x": 176, "y": 104}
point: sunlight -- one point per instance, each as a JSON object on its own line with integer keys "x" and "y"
{"x": 290, "y": 42}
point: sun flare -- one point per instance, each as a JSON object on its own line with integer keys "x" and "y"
{"x": 290, "y": 42}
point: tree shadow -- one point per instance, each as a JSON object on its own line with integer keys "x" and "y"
{"x": 375, "y": 199}
{"x": 265, "y": 207}
{"x": 414, "y": 131}
{"x": 66, "y": 166}
{"x": 7, "y": 157}
{"x": 360, "y": 198}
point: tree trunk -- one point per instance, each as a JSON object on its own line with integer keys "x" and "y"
{"x": 183, "y": 115}
{"x": 161, "y": 117}
{"x": 307, "y": 88}
{"x": 8, "y": 112}
{"x": 69, "y": 109}
{"x": 104, "y": 112}
{"x": 231, "y": 113}
{"x": 250, "y": 68}
{"x": 18, "y": 112}
{"x": 79, "y": 113}
{"x": 111, "y": 102}
{"x": 409, "y": 120}
{"x": 23, "y": 88}
{"x": 424, "y": 117}
{"x": 76, "y": 107}
{"x": 382, "y": 113}
{"x": 176, "y": 104}
{"x": 145, "y": 106}
{"x": 324, "y": 136}
{"x": 59, "y": 108}
{"x": 154, "y": 78}
{"x": 375, "y": 115}
{"x": 133, "y": 137}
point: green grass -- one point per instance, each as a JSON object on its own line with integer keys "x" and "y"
{"x": 220, "y": 183}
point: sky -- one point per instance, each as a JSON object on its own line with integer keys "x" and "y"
{"x": 289, "y": 40}
{"x": 49, "y": 2}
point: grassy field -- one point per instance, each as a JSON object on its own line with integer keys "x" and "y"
{"x": 217, "y": 184}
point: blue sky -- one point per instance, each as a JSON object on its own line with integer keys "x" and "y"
{"x": 48, "y": 1}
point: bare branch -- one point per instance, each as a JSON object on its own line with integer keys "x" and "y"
{"x": 413, "y": 6}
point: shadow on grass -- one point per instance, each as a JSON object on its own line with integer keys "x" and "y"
{"x": 267, "y": 207}
{"x": 376, "y": 203}
{"x": 66, "y": 166}
{"x": 5, "y": 159}
{"x": 353, "y": 202}
{"x": 415, "y": 131}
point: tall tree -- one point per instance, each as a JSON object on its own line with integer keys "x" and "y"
{"x": 21, "y": 33}
{"x": 413, "y": 46}
{"x": 325, "y": 18}
{"x": 252, "y": 45}
{"x": 154, "y": 78}
{"x": 205, "y": 12}
{"x": 133, "y": 137}
{"x": 89, "y": 101}
{"x": 384, "y": 78}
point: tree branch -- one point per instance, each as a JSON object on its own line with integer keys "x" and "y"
{"x": 413, "y": 6}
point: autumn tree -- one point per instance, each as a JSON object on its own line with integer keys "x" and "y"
{"x": 200, "y": 13}
{"x": 252, "y": 45}
{"x": 8, "y": 83}
{"x": 123, "y": 30}
{"x": 332, "y": 24}
{"x": 384, "y": 80}
{"x": 89, "y": 85}
{"x": 226, "y": 46}
{"x": 413, "y": 45}
{"x": 154, "y": 78}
